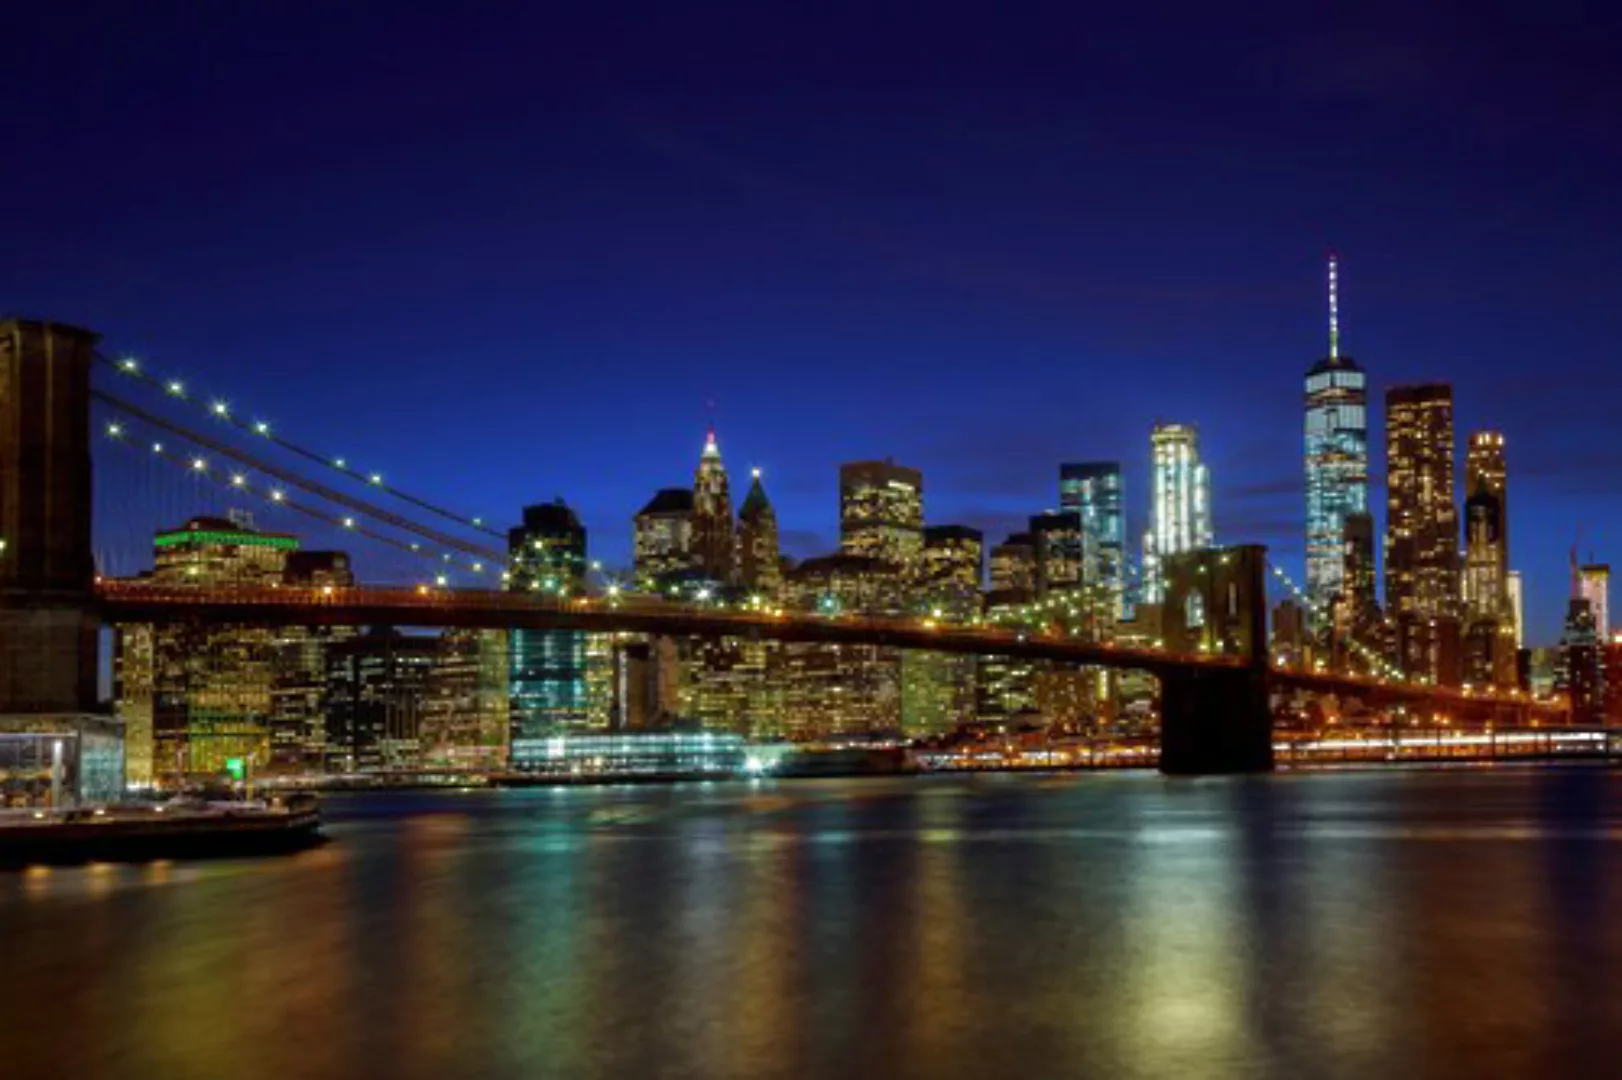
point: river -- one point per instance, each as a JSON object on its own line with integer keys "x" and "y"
{"x": 1405, "y": 923}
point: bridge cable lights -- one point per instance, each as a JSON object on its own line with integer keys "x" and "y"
{"x": 239, "y": 483}
{"x": 222, "y": 411}
{"x": 321, "y": 491}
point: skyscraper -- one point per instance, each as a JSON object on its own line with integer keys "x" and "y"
{"x": 1489, "y": 620}
{"x": 712, "y": 516}
{"x": 760, "y": 566}
{"x": 1093, "y": 489}
{"x": 547, "y": 670}
{"x": 1337, "y": 456}
{"x": 1422, "y": 530}
{"x": 1486, "y": 528}
{"x": 881, "y": 513}
{"x": 1517, "y": 605}
{"x": 1595, "y": 584}
{"x": 1180, "y": 510}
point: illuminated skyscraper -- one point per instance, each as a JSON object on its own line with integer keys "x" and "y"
{"x": 1595, "y": 581}
{"x": 547, "y": 671}
{"x": 1422, "y": 530}
{"x": 1517, "y": 605}
{"x": 760, "y": 567}
{"x": 1489, "y": 620}
{"x": 1180, "y": 510}
{"x": 1093, "y": 489}
{"x": 713, "y": 548}
{"x": 881, "y": 513}
{"x": 1337, "y": 456}
{"x": 1486, "y": 528}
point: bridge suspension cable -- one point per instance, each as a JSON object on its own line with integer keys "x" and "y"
{"x": 221, "y": 410}
{"x": 473, "y": 552}
{"x": 239, "y": 483}
{"x": 1319, "y": 617}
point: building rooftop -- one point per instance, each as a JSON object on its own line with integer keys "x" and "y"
{"x": 669, "y": 501}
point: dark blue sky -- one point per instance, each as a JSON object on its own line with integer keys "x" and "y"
{"x": 513, "y": 250}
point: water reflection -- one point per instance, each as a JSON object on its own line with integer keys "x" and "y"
{"x": 1430, "y": 924}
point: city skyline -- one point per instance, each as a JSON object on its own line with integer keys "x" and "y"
{"x": 985, "y": 298}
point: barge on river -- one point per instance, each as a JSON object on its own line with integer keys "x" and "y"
{"x": 180, "y": 828}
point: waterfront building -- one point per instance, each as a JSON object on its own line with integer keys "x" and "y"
{"x": 760, "y": 557}
{"x": 1094, "y": 490}
{"x": 938, "y": 689}
{"x": 1337, "y": 457}
{"x": 194, "y": 696}
{"x": 377, "y": 685}
{"x": 1180, "y": 506}
{"x": 298, "y": 722}
{"x": 1611, "y": 669}
{"x": 664, "y": 536}
{"x": 1581, "y": 674}
{"x": 1595, "y": 584}
{"x": 547, "y": 673}
{"x": 1422, "y": 532}
{"x": 831, "y": 690}
{"x": 881, "y": 513}
{"x": 466, "y": 716}
{"x": 1006, "y": 686}
{"x": 632, "y": 754}
{"x": 714, "y": 551}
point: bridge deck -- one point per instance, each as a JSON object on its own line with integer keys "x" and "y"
{"x": 126, "y": 601}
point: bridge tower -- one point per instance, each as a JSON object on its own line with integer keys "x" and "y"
{"x": 48, "y": 629}
{"x": 1216, "y": 719}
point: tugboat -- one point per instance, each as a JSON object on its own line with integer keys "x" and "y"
{"x": 184, "y": 827}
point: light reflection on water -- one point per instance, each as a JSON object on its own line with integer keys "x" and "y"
{"x": 1419, "y": 924}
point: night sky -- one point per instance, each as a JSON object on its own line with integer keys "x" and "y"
{"x": 509, "y": 251}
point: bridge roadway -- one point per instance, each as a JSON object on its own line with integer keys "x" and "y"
{"x": 133, "y": 601}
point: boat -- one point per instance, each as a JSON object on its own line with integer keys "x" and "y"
{"x": 184, "y": 827}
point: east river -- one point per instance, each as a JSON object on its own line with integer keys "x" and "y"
{"x": 1393, "y": 924}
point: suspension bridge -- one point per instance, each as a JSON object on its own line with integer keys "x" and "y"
{"x": 1215, "y": 703}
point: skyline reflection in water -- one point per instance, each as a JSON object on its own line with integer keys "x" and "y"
{"x": 1446, "y": 923}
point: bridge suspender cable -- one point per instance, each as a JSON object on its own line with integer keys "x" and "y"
{"x": 286, "y": 476}
{"x": 131, "y": 368}
{"x": 276, "y": 498}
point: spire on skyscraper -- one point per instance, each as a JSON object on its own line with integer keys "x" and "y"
{"x": 1334, "y": 305}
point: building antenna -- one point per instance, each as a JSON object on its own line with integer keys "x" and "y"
{"x": 1334, "y": 305}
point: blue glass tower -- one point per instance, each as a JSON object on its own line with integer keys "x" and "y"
{"x": 1337, "y": 457}
{"x": 1093, "y": 490}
